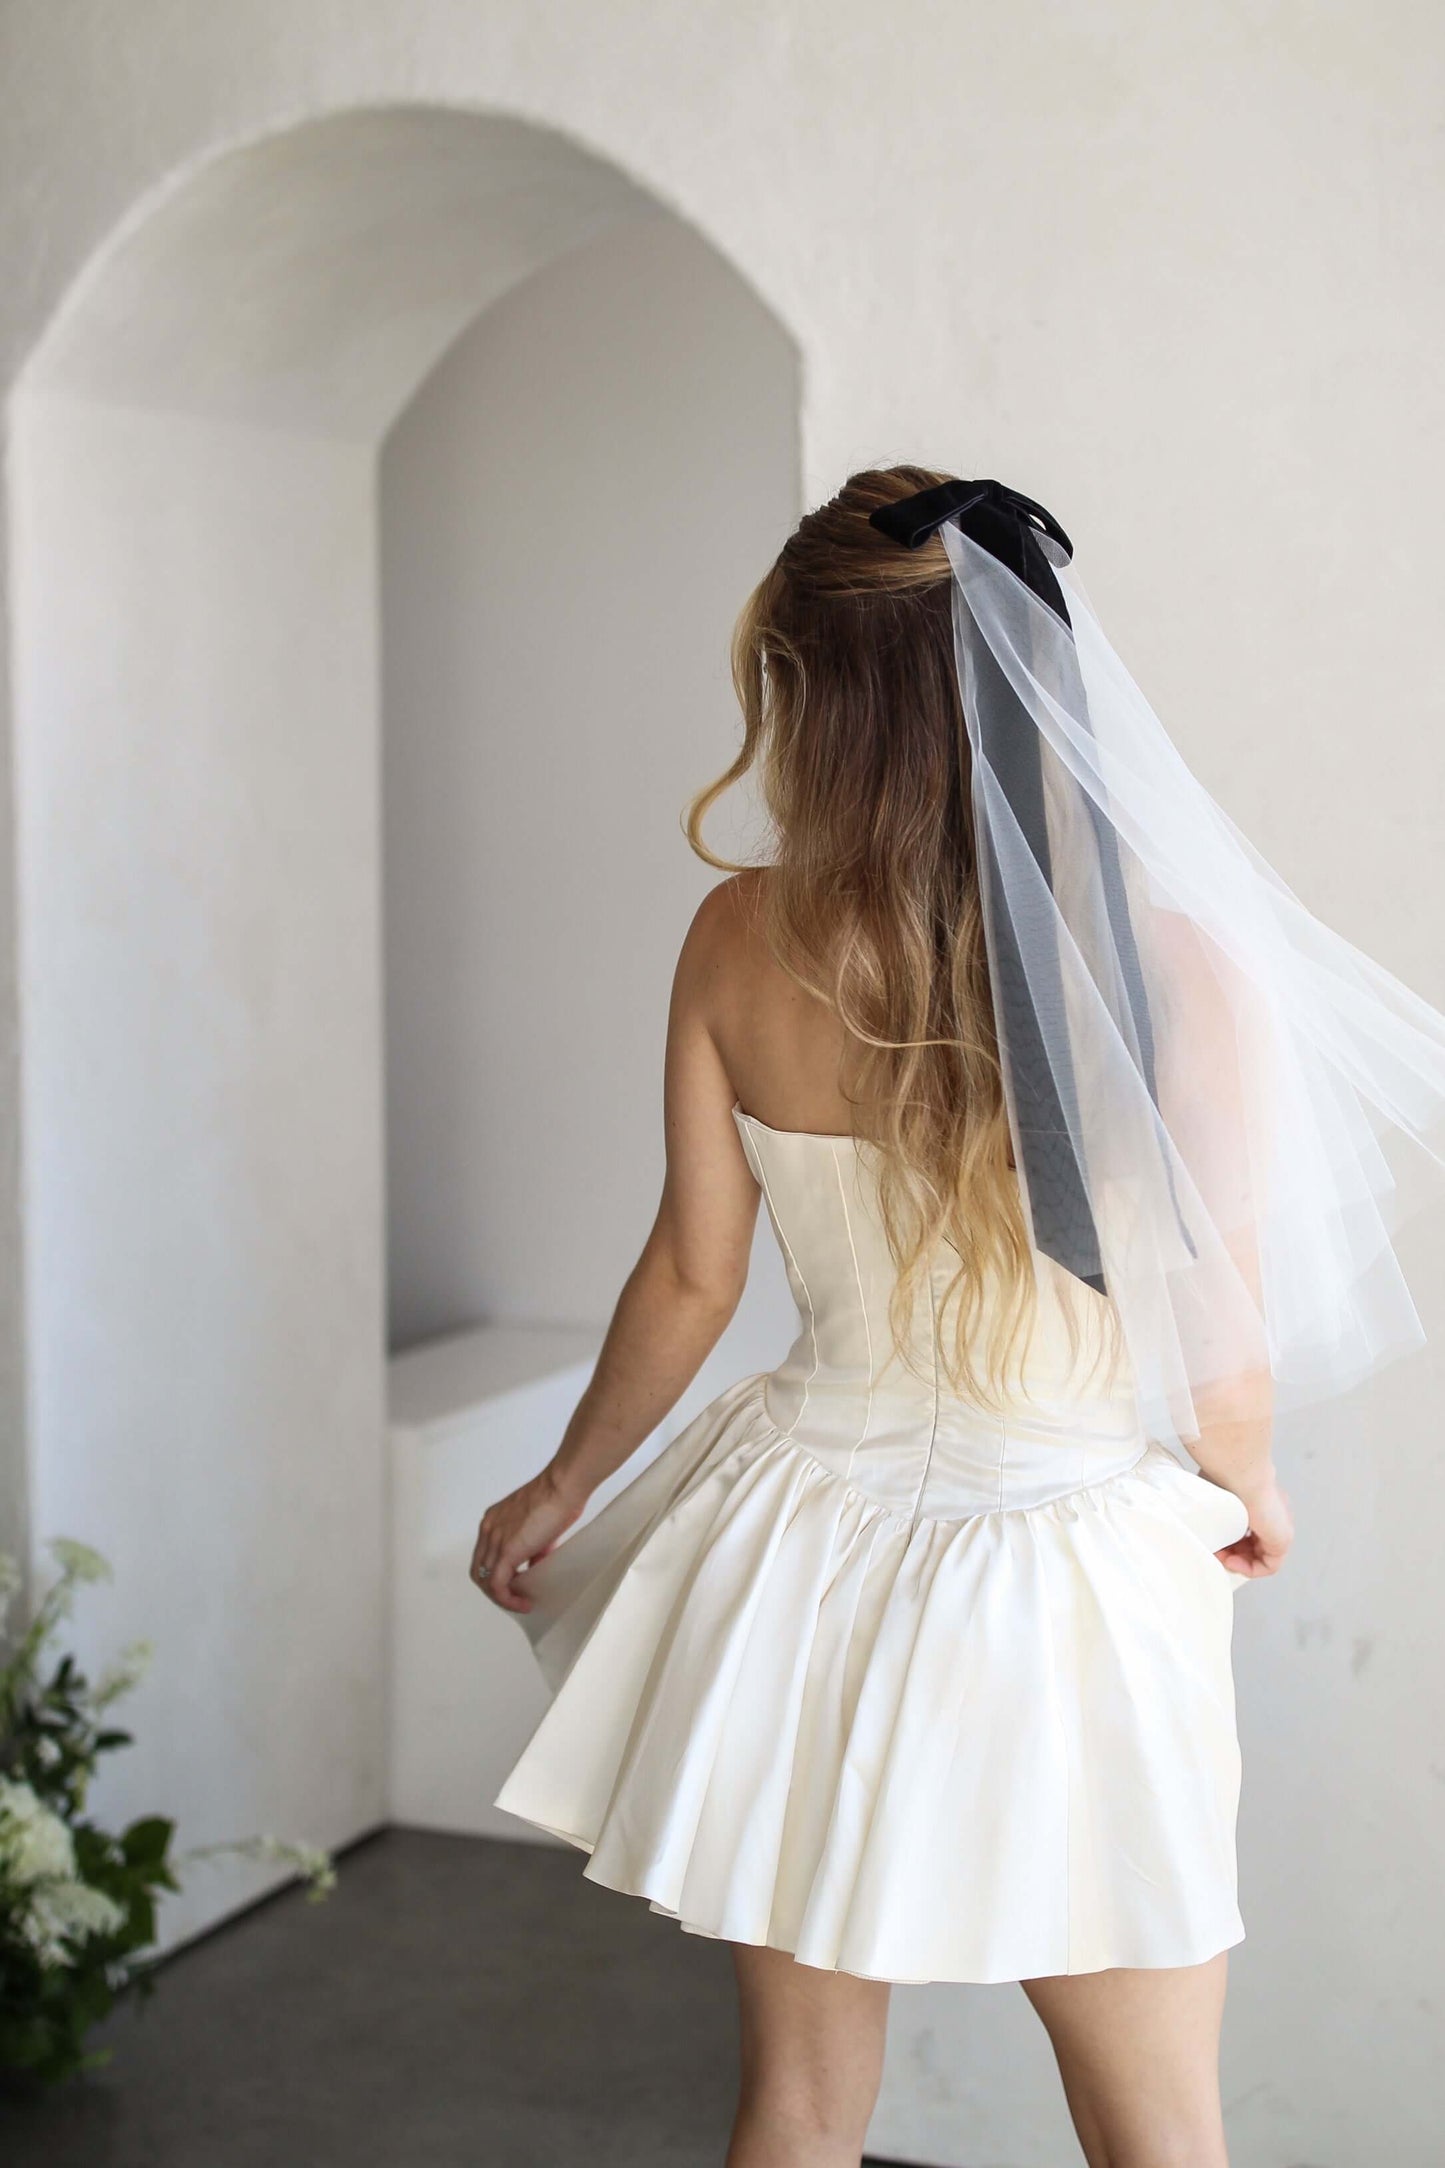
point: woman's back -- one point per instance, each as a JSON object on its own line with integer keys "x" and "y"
{"x": 782, "y": 1048}
{"x": 888, "y": 1418}
{"x": 895, "y": 1429}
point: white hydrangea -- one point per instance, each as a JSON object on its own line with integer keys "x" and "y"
{"x": 35, "y": 1845}
{"x": 62, "y": 1913}
{"x": 40, "y": 1934}
{"x": 37, "y": 1862}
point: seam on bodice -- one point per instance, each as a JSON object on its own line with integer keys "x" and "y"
{"x": 934, "y": 1449}
{"x": 798, "y": 1271}
{"x": 862, "y": 1311}
{"x": 933, "y": 1429}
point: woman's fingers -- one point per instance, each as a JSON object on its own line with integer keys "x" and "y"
{"x": 494, "y": 1567}
{"x": 1252, "y": 1557}
{"x": 1265, "y": 1545}
{"x": 500, "y": 1584}
{"x": 515, "y": 1533}
{"x": 485, "y": 1554}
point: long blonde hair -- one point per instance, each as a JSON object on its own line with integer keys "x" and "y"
{"x": 843, "y": 661}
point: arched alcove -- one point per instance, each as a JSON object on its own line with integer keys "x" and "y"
{"x": 571, "y": 511}
{"x": 198, "y": 470}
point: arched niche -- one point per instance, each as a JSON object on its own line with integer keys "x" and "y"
{"x": 200, "y": 448}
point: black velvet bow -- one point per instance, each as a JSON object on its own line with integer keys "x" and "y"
{"x": 1001, "y": 520}
{"x": 1048, "y": 1129}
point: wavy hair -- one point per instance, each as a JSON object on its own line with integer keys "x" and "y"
{"x": 843, "y": 662}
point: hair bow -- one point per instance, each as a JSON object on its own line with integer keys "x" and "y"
{"x": 1040, "y": 1078}
{"x": 1001, "y": 520}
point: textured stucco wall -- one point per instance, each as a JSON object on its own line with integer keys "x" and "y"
{"x": 1176, "y": 272}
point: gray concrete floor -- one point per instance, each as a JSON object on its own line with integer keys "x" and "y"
{"x": 454, "y": 2001}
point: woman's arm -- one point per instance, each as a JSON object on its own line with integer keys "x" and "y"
{"x": 1207, "y": 1070}
{"x": 678, "y": 1297}
{"x": 1234, "y": 1450}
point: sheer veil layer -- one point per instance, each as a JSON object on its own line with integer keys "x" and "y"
{"x": 1197, "y": 1070}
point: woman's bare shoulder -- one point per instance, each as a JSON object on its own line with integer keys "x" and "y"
{"x": 779, "y": 1044}
{"x": 727, "y": 927}
{"x": 726, "y": 973}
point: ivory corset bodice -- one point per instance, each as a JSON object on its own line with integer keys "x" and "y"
{"x": 902, "y": 1434}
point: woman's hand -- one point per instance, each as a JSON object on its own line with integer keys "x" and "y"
{"x": 1263, "y": 1548}
{"x": 517, "y": 1531}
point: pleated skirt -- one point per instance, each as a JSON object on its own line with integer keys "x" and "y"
{"x": 998, "y": 1747}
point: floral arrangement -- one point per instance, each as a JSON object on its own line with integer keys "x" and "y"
{"x": 77, "y": 1903}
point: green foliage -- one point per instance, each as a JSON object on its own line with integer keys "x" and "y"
{"x": 77, "y": 1903}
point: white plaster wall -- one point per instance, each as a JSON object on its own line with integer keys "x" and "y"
{"x": 308, "y": 281}
{"x": 196, "y": 375}
{"x": 1177, "y": 272}
{"x": 202, "y": 1114}
{"x": 572, "y": 510}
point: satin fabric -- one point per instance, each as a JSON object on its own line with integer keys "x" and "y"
{"x": 859, "y": 1671}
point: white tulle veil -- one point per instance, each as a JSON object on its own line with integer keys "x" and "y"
{"x": 1197, "y": 1071}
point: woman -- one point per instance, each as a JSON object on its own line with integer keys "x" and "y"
{"x": 910, "y": 1659}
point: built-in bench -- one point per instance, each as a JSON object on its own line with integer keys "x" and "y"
{"x": 471, "y": 1417}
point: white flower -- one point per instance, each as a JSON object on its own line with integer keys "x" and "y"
{"x": 309, "y": 1861}
{"x": 315, "y": 1868}
{"x": 40, "y": 1933}
{"x": 125, "y": 1673}
{"x": 35, "y": 1845}
{"x": 37, "y": 1861}
{"x": 64, "y": 1913}
{"x": 77, "y": 1561}
{"x": 80, "y": 1910}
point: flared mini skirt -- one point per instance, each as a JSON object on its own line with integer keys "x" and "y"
{"x": 995, "y": 1745}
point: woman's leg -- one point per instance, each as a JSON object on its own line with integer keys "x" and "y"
{"x": 1138, "y": 2052}
{"x": 812, "y": 2057}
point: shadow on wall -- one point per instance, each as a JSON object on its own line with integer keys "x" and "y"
{"x": 573, "y": 509}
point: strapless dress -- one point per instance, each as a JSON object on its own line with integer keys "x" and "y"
{"x": 862, "y": 1671}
